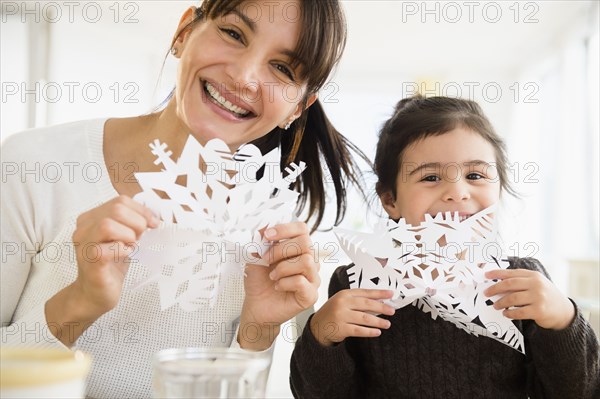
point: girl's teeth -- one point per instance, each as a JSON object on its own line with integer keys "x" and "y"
{"x": 226, "y": 104}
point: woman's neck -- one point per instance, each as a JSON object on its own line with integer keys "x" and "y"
{"x": 126, "y": 141}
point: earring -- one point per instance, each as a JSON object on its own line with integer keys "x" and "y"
{"x": 173, "y": 51}
{"x": 287, "y": 125}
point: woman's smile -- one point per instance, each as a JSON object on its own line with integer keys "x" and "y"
{"x": 231, "y": 103}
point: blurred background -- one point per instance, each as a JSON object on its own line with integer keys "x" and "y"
{"x": 532, "y": 65}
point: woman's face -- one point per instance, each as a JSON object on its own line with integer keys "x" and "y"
{"x": 235, "y": 80}
{"x": 451, "y": 172}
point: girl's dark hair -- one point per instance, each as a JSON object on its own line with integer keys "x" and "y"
{"x": 416, "y": 118}
{"x": 311, "y": 137}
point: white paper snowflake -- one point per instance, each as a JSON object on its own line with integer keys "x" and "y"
{"x": 437, "y": 266}
{"x": 214, "y": 206}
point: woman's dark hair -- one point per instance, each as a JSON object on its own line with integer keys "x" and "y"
{"x": 311, "y": 137}
{"x": 416, "y": 118}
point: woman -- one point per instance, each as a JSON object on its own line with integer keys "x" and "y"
{"x": 239, "y": 62}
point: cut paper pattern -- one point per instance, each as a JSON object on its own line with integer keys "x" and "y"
{"x": 437, "y": 266}
{"x": 214, "y": 206}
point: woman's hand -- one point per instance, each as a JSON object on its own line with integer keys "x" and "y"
{"x": 527, "y": 294}
{"x": 103, "y": 240}
{"x": 279, "y": 292}
{"x": 350, "y": 313}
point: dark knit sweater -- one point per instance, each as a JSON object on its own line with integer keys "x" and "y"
{"x": 418, "y": 357}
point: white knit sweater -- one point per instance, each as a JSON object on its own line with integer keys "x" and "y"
{"x": 49, "y": 177}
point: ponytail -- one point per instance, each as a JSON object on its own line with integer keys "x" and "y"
{"x": 314, "y": 140}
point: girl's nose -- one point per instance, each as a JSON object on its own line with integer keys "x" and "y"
{"x": 456, "y": 192}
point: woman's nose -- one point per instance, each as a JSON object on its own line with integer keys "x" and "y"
{"x": 244, "y": 72}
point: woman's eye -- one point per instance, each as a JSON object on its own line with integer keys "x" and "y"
{"x": 474, "y": 176}
{"x": 285, "y": 70}
{"x": 431, "y": 178}
{"x": 233, "y": 34}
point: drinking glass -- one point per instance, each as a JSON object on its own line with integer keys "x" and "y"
{"x": 210, "y": 373}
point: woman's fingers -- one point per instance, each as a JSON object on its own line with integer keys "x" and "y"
{"x": 142, "y": 210}
{"x": 110, "y": 230}
{"x": 131, "y": 217}
{"x": 286, "y": 231}
{"x": 301, "y": 286}
{"x": 104, "y": 239}
{"x": 289, "y": 241}
{"x": 288, "y": 249}
{"x": 304, "y": 291}
{"x": 120, "y": 219}
{"x": 303, "y": 264}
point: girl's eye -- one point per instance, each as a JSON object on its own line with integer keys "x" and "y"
{"x": 285, "y": 70}
{"x": 474, "y": 176}
{"x": 233, "y": 34}
{"x": 431, "y": 178}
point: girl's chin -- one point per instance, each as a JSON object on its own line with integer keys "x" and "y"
{"x": 414, "y": 221}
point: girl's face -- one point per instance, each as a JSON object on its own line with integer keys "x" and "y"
{"x": 454, "y": 172}
{"x": 235, "y": 80}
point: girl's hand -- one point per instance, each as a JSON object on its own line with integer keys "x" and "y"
{"x": 279, "y": 292}
{"x": 103, "y": 239}
{"x": 350, "y": 313}
{"x": 527, "y": 294}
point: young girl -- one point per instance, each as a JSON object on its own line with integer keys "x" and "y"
{"x": 347, "y": 351}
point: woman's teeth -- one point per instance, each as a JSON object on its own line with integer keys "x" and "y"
{"x": 223, "y": 102}
{"x": 462, "y": 218}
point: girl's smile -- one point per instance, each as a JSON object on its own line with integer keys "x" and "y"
{"x": 450, "y": 172}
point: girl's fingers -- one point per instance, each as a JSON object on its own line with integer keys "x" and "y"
{"x": 370, "y": 293}
{"x": 516, "y": 299}
{"x": 336, "y": 332}
{"x": 509, "y": 285}
{"x": 501, "y": 274}
{"x": 365, "y": 300}
{"x": 364, "y": 304}
{"x": 353, "y": 330}
{"x": 522, "y": 313}
{"x": 368, "y": 320}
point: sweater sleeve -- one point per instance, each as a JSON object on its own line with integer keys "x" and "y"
{"x": 318, "y": 371}
{"x": 562, "y": 363}
{"x": 20, "y": 243}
